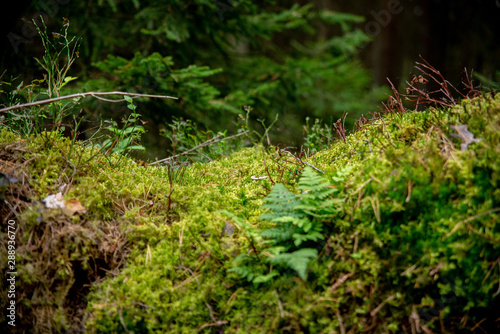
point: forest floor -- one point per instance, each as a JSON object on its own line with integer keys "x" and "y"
{"x": 394, "y": 228}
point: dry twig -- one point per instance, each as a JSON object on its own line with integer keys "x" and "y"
{"x": 97, "y": 95}
{"x": 211, "y": 141}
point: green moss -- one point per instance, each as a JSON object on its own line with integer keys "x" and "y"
{"x": 7, "y": 137}
{"x": 416, "y": 232}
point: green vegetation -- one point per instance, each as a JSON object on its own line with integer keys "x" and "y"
{"x": 280, "y": 58}
{"x": 389, "y": 228}
{"x": 400, "y": 234}
{"x": 298, "y": 221}
{"x": 122, "y": 140}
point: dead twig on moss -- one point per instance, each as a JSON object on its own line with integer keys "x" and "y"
{"x": 217, "y": 323}
{"x": 211, "y": 141}
{"x": 471, "y": 90}
{"x": 442, "y": 82}
{"x": 395, "y": 103}
{"x": 280, "y": 304}
{"x": 443, "y": 95}
{"x": 342, "y": 279}
{"x": 172, "y": 188}
{"x": 465, "y": 221}
{"x": 97, "y": 95}
{"x": 300, "y": 161}
{"x": 379, "y": 307}
{"x": 265, "y": 166}
{"x": 123, "y": 323}
{"x": 340, "y": 128}
{"x": 341, "y": 323}
{"x": 361, "y": 122}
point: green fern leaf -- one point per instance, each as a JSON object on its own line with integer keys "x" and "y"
{"x": 297, "y": 260}
{"x": 246, "y": 272}
{"x": 299, "y": 238}
{"x": 315, "y": 192}
{"x": 279, "y": 202}
{"x": 277, "y": 235}
{"x": 265, "y": 278}
{"x": 297, "y": 220}
{"x": 314, "y": 186}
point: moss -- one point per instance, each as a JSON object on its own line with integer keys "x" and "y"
{"x": 7, "y": 137}
{"x": 410, "y": 155}
{"x": 416, "y": 236}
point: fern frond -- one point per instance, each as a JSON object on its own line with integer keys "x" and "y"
{"x": 246, "y": 272}
{"x": 277, "y": 234}
{"x": 297, "y": 260}
{"x": 279, "y": 202}
{"x": 322, "y": 210}
{"x": 265, "y": 278}
{"x": 299, "y": 238}
{"x": 276, "y": 250}
{"x": 247, "y": 267}
{"x": 298, "y": 218}
{"x": 314, "y": 186}
{"x": 315, "y": 192}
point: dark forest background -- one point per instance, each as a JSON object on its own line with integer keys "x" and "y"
{"x": 294, "y": 59}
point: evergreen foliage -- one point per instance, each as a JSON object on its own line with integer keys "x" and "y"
{"x": 220, "y": 56}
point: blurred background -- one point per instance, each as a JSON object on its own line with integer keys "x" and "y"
{"x": 299, "y": 60}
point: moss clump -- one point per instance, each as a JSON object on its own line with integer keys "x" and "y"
{"x": 413, "y": 248}
{"x": 413, "y": 245}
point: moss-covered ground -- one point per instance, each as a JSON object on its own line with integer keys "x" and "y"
{"x": 414, "y": 245}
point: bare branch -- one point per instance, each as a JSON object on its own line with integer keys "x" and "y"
{"x": 213, "y": 140}
{"x": 93, "y": 94}
{"x": 379, "y": 307}
{"x": 302, "y": 161}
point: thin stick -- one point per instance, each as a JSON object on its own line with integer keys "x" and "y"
{"x": 208, "y": 142}
{"x": 265, "y": 166}
{"x": 72, "y": 96}
{"x": 280, "y": 305}
{"x": 379, "y": 307}
{"x": 302, "y": 161}
{"x": 123, "y": 322}
{"x": 465, "y": 221}
{"x": 341, "y": 323}
{"x": 340, "y": 281}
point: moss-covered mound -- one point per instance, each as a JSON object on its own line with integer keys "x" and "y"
{"x": 399, "y": 234}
